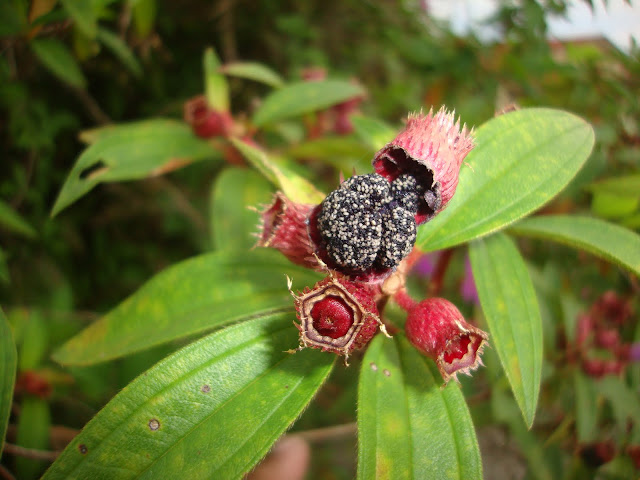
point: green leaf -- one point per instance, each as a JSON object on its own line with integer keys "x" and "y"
{"x": 232, "y": 223}
{"x": 216, "y": 87}
{"x": 253, "y": 71}
{"x": 612, "y": 205}
{"x": 211, "y": 410}
{"x": 84, "y": 15}
{"x": 12, "y": 221}
{"x": 409, "y": 427}
{"x": 190, "y": 297}
{"x": 586, "y": 402}
{"x": 34, "y": 341}
{"x": 32, "y": 432}
{"x": 57, "y": 58}
{"x": 129, "y": 152}
{"x": 345, "y": 153}
{"x": 629, "y": 185}
{"x": 121, "y": 50}
{"x": 304, "y": 97}
{"x": 5, "y": 277}
{"x": 372, "y": 131}
{"x": 603, "y": 239}
{"x": 511, "y": 310}
{"x": 294, "y": 186}
{"x": 521, "y": 161}
{"x": 8, "y": 363}
{"x": 144, "y": 16}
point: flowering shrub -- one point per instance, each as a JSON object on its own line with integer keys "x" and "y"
{"x": 215, "y": 407}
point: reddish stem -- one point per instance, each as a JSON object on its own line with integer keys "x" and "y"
{"x": 404, "y": 300}
{"x": 437, "y": 279}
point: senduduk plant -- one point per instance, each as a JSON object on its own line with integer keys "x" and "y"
{"x": 215, "y": 407}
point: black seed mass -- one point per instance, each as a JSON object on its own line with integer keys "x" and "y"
{"x": 369, "y": 222}
{"x": 404, "y": 190}
{"x": 398, "y": 237}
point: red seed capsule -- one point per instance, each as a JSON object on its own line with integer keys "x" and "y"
{"x": 437, "y": 328}
{"x": 283, "y": 226}
{"x": 337, "y": 315}
{"x": 431, "y": 149}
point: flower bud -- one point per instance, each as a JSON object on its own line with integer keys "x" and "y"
{"x": 283, "y": 226}
{"x": 205, "y": 121}
{"x": 431, "y": 149}
{"x": 437, "y": 328}
{"x": 337, "y": 315}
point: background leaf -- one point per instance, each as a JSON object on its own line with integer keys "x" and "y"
{"x": 201, "y": 293}
{"x": 8, "y": 362}
{"x": 131, "y": 151}
{"x": 253, "y": 71}
{"x": 216, "y": 86}
{"x": 604, "y": 239}
{"x": 304, "y": 97}
{"x": 84, "y": 15}
{"x": 521, "y": 160}
{"x": 628, "y": 185}
{"x": 34, "y": 423}
{"x": 408, "y": 426}
{"x": 121, "y": 50}
{"x": 511, "y": 310}
{"x": 232, "y": 222}
{"x": 12, "y": 221}
{"x": 211, "y": 410}
{"x": 57, "y": 58}
{"x": 294, "y": 186}
{"x": 372, "y": 131}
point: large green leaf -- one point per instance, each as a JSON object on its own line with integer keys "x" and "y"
{"x": 232, "y": 223}
{"x": 294, "y": 186}
{"x": 604, "y": 239}
{"x": 201, "y": 293}
{"x": 211, "y": 410}
{"x": 304, "y": 97}
{"x": 8, "y": 362}
{"x": 58, "y": 59}
{"x": 511, "y": 310}
{"x": 521, "y": 161}
{"x": 409, "y": 427}
{"x": 253, "y": 71}
{"x": 131, "y": 151}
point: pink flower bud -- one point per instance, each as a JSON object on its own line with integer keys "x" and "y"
{"x": 431, "y": 148}
{"x": 337, "y": 315}
{"x": 437, "y": 328}
{"x": 284, "y": 227}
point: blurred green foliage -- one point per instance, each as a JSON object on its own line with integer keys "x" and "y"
{"x": 70, "y": 66}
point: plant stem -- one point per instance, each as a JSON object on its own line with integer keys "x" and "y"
{"x": 404, "y": 300}
{"x": 437, "y": 279}
{"x": 328, "y": 433}
{"x": 19, "y": 451}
